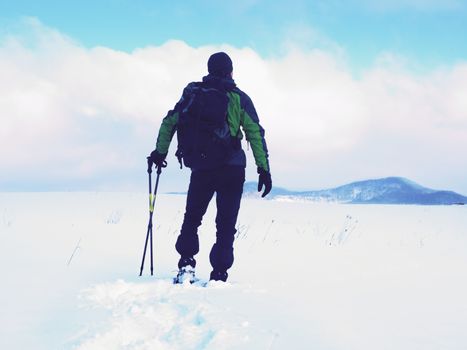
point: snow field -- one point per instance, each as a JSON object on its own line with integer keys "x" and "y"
{"x": 321, "y": 276}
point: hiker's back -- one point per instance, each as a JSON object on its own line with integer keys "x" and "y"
{"x": 203, "y": 133}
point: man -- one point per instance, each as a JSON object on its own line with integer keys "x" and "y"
{"x": 219, "y": 170}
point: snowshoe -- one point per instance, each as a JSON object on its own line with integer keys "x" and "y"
{"x": 185, "y": 274}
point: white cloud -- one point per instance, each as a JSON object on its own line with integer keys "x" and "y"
{"x": 74, "y": 114}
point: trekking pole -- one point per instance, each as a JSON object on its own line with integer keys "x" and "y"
{"x": 152, "y": 201}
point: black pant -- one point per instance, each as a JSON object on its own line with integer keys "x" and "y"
{"x": 227, "y": 183}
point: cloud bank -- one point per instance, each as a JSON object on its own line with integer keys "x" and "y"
{"x": 85, "y": 118}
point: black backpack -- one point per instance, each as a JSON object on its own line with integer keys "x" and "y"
{"x": 204, "y": 140}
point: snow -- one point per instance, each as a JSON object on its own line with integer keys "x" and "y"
{"x": 157, "y": 315}
{"x": 306, "y": 276}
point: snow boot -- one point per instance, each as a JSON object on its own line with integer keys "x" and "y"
{"x": 219, "y": 276}
{"x": 186, "y": 271}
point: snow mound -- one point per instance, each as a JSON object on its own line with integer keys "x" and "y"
{"x": 160, "y": 315}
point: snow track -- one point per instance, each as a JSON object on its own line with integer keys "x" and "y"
{"x": 160, "y": 315}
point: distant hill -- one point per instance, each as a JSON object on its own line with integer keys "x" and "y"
{"x": 390, "y": 190}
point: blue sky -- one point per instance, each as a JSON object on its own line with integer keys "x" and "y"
{"x": 428, "y": 33}
{"x": 346, "y": 90}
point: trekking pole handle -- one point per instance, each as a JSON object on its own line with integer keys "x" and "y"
{"x": 149, "y": 165}
{"x": 159, "y": 170}
{"x": 159, "y": 167}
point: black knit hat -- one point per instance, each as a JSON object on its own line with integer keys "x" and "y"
{"x": 220, "y": 64}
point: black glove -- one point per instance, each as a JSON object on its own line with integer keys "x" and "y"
{"x": 158, "y": 159}
{"x": 264, "y": 179}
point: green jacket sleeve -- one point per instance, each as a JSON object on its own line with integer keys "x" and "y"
{"x": 167, "y": 131}
{"x": 254, "y": 132}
